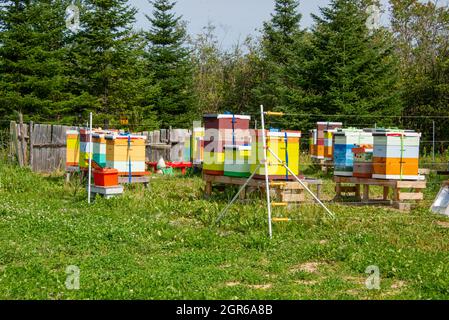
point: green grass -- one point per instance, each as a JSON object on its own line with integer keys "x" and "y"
{"x": 162, "y": 244}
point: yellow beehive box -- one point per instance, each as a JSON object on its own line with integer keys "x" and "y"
{"x": 286, "y": 145}
{"x": 126, "y": 154}
{"x": 72, "y": 149}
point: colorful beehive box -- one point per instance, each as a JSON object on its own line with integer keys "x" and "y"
{"x": 187, "y": 155}
{"x": 344, "y": 141}
{"x": 85, "y": 149}
{"x": 328, "y": 144}
{"x": 237, "y": 161}
{"x": 72, "y": 149}
{"x": 363, "y": 162}
{"x": 197, "y": 145}
{"x": 320, "y": 138}
{"x": 396, "y": 155}
{"x": 221, "y": 130}
{"x": 99, "y": 149}
{"x": 126, "y": 153}
{"x": 285, "y": 144}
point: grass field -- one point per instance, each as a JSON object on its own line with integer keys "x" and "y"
{"x": 162, "y": 244}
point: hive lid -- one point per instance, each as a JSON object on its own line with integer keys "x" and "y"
{"x": 281, "y": 134}
{"x": 227, "y": 116}
{"x": 330, "y": 123}
{"x": 235, "y": 147}
{"x": 116, "y": 136}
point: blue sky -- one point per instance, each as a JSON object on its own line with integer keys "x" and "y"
{"x": 234, "y": 19}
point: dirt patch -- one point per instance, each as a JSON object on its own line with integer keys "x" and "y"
{"x": 443, "y": 224}
{"x": 397, "y": 285}
{"x": 355, "y": 280}
{"x": 323, "y": 241}
{"x": 307, "y": 282}
{"x": 310, "y": 267}
{"x": 232, "y": 284}
{"x": 260, "y": 286}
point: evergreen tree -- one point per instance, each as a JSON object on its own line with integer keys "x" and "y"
{"x": 353, "y": 71}
{"x": 106, "y": 55}
{"x": 277, "y": 87}
{"x": 169, "y": 60}
{"x": 33, "y": 74}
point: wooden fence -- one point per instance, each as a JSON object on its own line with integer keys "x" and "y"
{"x": 42, "y": 147}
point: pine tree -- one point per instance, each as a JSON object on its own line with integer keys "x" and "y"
{"x": 169, "y": 60}
{"x": 352, "y": 71}
{"x": 282, "y": 37}
{"x": 106, "y": 55}
{"x": 33, "y": 74}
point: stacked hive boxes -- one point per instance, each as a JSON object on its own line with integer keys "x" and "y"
{"x": 344, "y": 141}
{"x": 319, "y": 138}
{"x": 363, "y": 162}
{"x": 197, "y": 145}
{"x": 126, "y": 153}
{"x": 72, "y": 149}
{"x": 99, "y": 149}
{"x": 237, "y": 161}
{"x": 396, "y": 155}
{"x": 221, "y": 130}
{"x": 328, "y": 144}
{"x": 285, "y": 144}
{"x": 85, "y": 149}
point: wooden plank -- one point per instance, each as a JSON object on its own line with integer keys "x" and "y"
{"x": 31, "y": 144}
{"x": 374, "y": 182}
{"x": 365, "y": 197}
{"x": 411, "y": 184}
{"x": 411, "y": 196}
{"x": 386, "y": 192}
{"x": 22, "y": 140}
{"x": 292, "y": 197}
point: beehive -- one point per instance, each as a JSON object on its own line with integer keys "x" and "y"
{"x": 320, "y": 138}
{"x": 236, "y": 163}
{"x": 99, "y": 149}
{"x": 285, "y": 144}
{"x": 85, "y": 149}
{"x": 187, "y": 155}
{"x": 197, "y": 145}
{"x": 72, "y": 149}
{"x": 344, "y": 141}
{"x": 311, "y": 145}
{"x": 328, "y": 144}
{"x": 126, "y": 153}
{"x": 363, "y": 162}
{"x": 396, "y": 155}
{"x": 221, "y": 130}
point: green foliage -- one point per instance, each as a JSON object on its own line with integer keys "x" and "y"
{"x": 169, "y": 59}
{"x": 352, "y": 71}
{"x": 33, "y": 74}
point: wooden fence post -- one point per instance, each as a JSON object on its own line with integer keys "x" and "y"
{"x": 31, "y": 144}
{"x": 23, "y": 145}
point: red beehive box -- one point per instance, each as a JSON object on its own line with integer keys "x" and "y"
{"x": 106, "y": 177}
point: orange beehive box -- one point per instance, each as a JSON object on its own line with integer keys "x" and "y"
{"x": 395, "y": 166}
{"x": 106, "y": 177}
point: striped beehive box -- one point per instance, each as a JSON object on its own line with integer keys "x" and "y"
{"x": 320, "y": 138}
{"x": 328, "y": 144}
{"x": 99, "y": 149}
{"x": 72, "y": 149}
{"x": 236, "y": 163}
{"x": 85, "y": 149}
{"x": 396, "y": 155}
{"x": 363, "y": 161}
{"x": 221, "y": 130}
{"x": 285, "y": 144}
{"x": 126, "y": 153}
{"x": 344, "y": 141}
{"x": 197, "y": 145}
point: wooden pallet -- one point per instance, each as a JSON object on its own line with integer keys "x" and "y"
{"x": 400, "y": 199}
{"x": 286, "y": 191}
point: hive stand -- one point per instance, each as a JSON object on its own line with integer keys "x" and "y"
{"x": 106, "y": 192}
{"x": 287, "y": 191}
{"x": 145, "y": 180}
{"x": 399, "y": 200}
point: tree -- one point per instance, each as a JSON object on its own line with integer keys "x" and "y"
{"x": 420, "y": 31}
{"x": 169, "y": 60}
{"x": 106, "y": 57}
{"x": 353, "y": 71}
{"x": 281, "y": 42}
{"x": 33, "y": 73}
